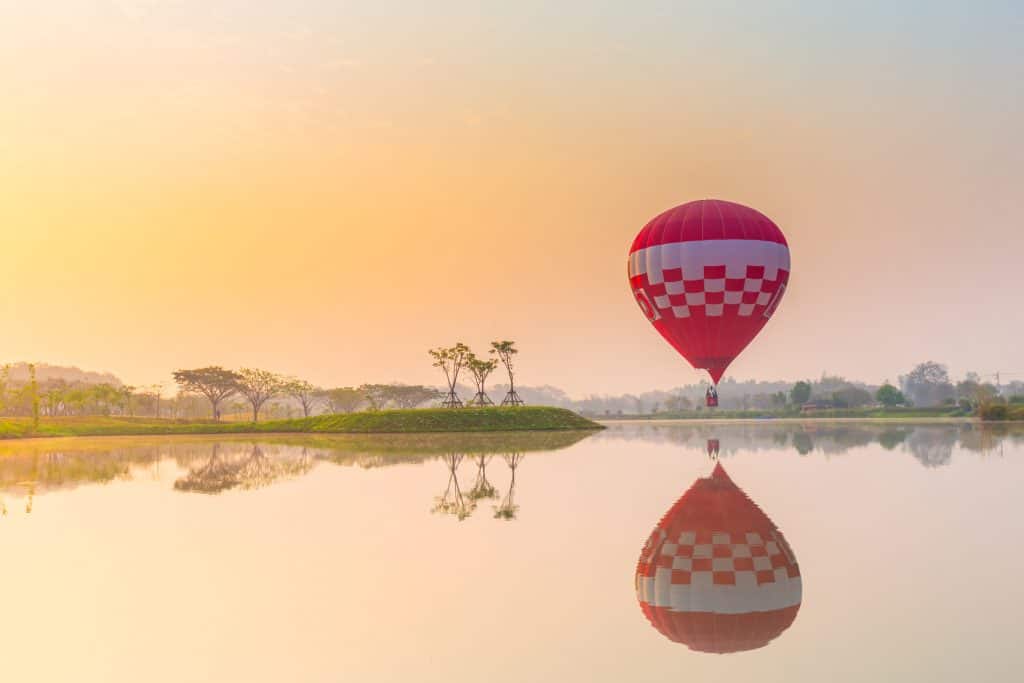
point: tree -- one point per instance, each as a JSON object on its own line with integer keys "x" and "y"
{"x": 889, "y": 396}
{"x": 504, "y": 350}
{"x": 258, "y": 387}
{"x": 214, "y": 382}
{"x": 800, "y": 393}
{"x": 850, "y": 396}
{"x": 304, "y": 392}
{"x": 413, "y": 395}
{"x": 481, "y": 370}
{"x": 928, "y": 384}
{"x": 377, "y": 395}
{"x": 451, "y": 360}
{"x": 344, "y": 399}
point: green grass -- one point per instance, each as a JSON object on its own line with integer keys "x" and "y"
{"x": 428, "y": 420}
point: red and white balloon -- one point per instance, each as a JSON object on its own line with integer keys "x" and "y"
{"x": 708, "y": 275}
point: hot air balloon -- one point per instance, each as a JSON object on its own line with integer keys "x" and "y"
{"x": 708, "y": 275}
{"x": 716, "y": 574}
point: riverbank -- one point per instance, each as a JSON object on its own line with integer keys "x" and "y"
{"x": 427, "y": 420}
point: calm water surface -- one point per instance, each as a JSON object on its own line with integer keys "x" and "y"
{"x": 843, "y": 552}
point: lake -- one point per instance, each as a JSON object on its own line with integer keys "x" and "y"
{"x": 799, "y": 552}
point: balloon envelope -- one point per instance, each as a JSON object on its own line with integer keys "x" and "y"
{"x": 708, "y": 275}
{"x": 716, "y": 574}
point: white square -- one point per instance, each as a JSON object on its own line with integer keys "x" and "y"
{"x": 734, "y": 297}
{"x": 741, "y": 550}
{"x": 688, "y": 538}
{"x": 684, "y": 563}
{"x": 746, "y": 309}
{"x": 702, "y": 550}
{"x": 772, "y": 548}
{"x": 681, "y": 311}
{"x": 661, "y": 301}
{"x": 715, "y": 285}
{"x": 754, "y": 538}
{"x": 722, "y": 564}
{"x": 752, "y": 285}
{"x": 781, "y": 574}
{"x": 677, "y": 287}
{"x": 695, "y": 298}
{"x": 763, "y": 298}
{"x": 669, "y": 549}
{"x": 720, "y": 538}
{"x": 701, "y": 579}
{"x": 762, "y": 563}
{"x": 714, "y": 310}
{"x": 746, "y": 579}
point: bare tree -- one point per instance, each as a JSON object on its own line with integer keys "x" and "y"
{"x": 504, "y": 350}
{"x": 451, "y": 360}
{"x": 214, "y": 382}
{"x": 258, "y": 387}
{"x": 481, "y": 370}
{"x": 304, "y": 392}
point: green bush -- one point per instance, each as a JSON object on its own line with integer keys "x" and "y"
{"x": 995, "y": 412}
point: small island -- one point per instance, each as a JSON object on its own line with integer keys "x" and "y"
{"x": 421, "y": 420}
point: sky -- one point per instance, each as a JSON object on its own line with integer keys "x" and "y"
{"x": 328, "y": 189}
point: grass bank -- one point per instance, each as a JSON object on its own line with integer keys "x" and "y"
{"x": 429, "y": 420}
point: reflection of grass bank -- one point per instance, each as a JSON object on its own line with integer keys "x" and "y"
{"x": 941, "y": 412}
{"x": 527, "y": 418}
{"x": 999, "y": 412}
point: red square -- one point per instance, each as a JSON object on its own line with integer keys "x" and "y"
{"x": 778, "y": 561}
{"x": 724, "y": 578}
{"x": 680, "y": 576}
{"x": 672, "y": 274}
{"x": 721, "y": 551}
{"x": 734, "y": 284}
{"x": 750, "y": 297}
{"x": 684, "y": 551}
{"x": 714, "y": 297}
{"x": 702, "y": 564}
{"x": 758, "y": 551}
{"x": 714, "y": 272}
{"x": 693, "y": 286}
{"x": 765, "y": 576}
{"x": 755, "y": 272}
{"x": 743, "y": 564}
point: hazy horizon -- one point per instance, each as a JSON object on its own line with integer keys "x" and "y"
{"x": 329, "y": 191}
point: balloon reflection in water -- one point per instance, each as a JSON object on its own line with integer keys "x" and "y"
{"x": 716, "y": 574}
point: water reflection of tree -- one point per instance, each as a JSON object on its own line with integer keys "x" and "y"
{"x": 507, "y": 508}
{"x": 453, "y": 501}
{"x": 482, "y": 488}
{"x": 932, "y": 446}
{"x": 245, "y": 470}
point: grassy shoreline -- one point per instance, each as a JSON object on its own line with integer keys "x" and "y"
{"x": 430, "y": 420}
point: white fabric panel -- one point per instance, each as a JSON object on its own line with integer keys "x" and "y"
{"x": 735, "y": 255}
{"x": 703, "y": 596}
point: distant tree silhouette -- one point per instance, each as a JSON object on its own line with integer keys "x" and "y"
{"x": 214, "y": 382}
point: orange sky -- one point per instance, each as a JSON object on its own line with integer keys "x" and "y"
{"x": 330, "y": 191}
